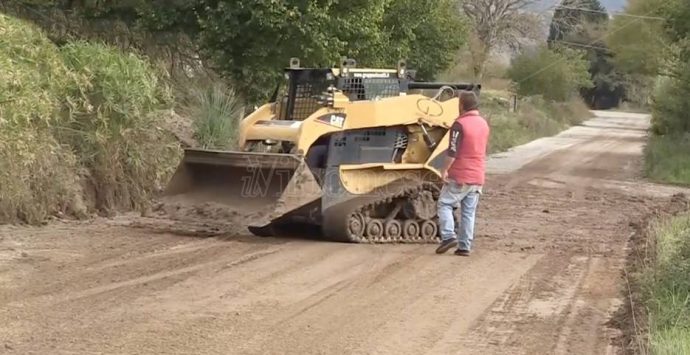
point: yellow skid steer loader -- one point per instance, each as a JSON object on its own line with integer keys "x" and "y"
{"x": 350, "y": 150}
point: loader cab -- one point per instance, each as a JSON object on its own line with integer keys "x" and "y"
{"x": 304, "y": 88}
{"x": 301, "y": 89}
{"x": 359, "y": 85}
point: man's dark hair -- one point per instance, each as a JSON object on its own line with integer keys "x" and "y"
{"x": 468, "y": 100}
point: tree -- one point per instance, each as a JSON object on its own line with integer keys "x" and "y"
{"x": 651, "y": 45}
{"x": 638, "y": 47}
{"x": 671, "y": 104}
{"x": 557, "y": 74}
{"x": 249, "y": 41}
{"x": 575, "y": 16}
{"x": 496, "y": 23}
{"x": 427, "y": 32}
{"x": 583, "y": 24}
{"x": 638, "y": 43}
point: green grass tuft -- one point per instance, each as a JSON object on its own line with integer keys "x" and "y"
{"x": 667, "y": 159}
{"x": 666, "y": 288}
{"x": 216, "y": 112}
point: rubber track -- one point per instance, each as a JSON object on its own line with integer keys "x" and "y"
{"x": 336, "y": 218}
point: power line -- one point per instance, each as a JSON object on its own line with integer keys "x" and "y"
{"x": 617, "y": 13}
{"x": 593, "y": 41}
{"x": 582, "y": 45}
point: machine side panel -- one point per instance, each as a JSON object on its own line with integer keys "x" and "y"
{"x": 363, "y": 146}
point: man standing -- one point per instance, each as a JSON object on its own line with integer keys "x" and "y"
{"x": 463, "y": 173}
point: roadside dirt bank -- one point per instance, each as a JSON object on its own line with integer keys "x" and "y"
{"x": 546, "y": 276}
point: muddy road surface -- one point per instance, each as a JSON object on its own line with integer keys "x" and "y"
{"x": 545, "y": 277}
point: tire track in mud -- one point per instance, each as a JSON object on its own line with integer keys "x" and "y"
{"x": 116, "y": 279}
{"x": 543, "y": 279}
{"x": 387, "y": 316}
{"x": 585, "y": 329}
{"x": 530, "y": 317}
{"x": 178, "y": 273}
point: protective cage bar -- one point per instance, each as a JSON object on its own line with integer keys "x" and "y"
{"x": 303, "y": 85}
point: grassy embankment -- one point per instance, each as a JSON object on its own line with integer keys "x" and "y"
{"x": 78, "y": 129}
{"x": 664, "y": 288}
{"x": 667, "y": 159}
{"x": 666, "y": 280}
{"x": 535, "y": 118}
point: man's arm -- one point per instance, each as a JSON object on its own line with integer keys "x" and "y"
{"x": 453, "y": 146}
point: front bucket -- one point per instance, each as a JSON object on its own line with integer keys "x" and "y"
{"x": 265, "y": 186}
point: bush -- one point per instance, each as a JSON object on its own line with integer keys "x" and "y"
{"x": 32, "y": 77}
{"x": 666, "y": 288}
{"x": 112, "y": 128}
{"x": 37, "y": 177}
{"x": 667, "y": 158}
{"x": 670, "y": 103}
{"x": 216, "y": 112}
{"x": 37, "y": 174}
{"x": 668, "y": 149}
{"x": 557, "y": 75}
{"x": 75, "y": 115}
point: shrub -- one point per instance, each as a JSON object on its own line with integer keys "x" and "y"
{"x": 557, "y": 75}
{"x": 670, "y": 103}
{"x": 666, "y": 287}
{"x": 37, "y": 177}
{"x": 76, "y": 115}
{"x": 215, "y": 111}
{"x": 534, "y": 119}
{"x": 112, "y": 127}
{"x": 667, "y": 158}
{"x": 32, "y": 77}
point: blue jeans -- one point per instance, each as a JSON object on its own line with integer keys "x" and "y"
{"x": 466, "y": 197}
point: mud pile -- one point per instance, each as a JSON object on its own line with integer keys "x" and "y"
{"x": 204, "y": 219}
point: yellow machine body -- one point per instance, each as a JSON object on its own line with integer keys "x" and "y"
{"x": 336, "y": 152}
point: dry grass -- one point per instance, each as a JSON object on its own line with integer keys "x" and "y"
{"x": 112, "y": 128}
{"x": 37, "y": 177}
{"x": 535, "y": 118}
{"x": 72, "y": 118}
{"x": 215, "y": 111}
{"x": 666, "y": 287}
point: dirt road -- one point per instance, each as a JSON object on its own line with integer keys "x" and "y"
{"x": 545, "y": 278}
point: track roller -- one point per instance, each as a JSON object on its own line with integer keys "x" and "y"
{"x": 393, "y": 230}
{"x": 375, "y": 229}
{"x": 410, "y": 229}
{"x": 428, "y": 230}
{"x": 356, "y": 225}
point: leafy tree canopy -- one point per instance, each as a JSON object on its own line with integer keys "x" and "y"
{"x": 636, "y": 42}
{"x": 250, "y": 41}
{"x": 582, "y": 24}
{"x": 557, "y": 73}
